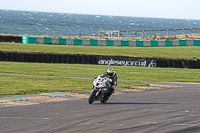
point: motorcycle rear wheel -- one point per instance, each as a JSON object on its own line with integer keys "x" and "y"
{"x": 91, "y": 98}
{"x": 104, "y": 99}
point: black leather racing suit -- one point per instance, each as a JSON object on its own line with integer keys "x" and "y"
{"x": 113, "y": 84}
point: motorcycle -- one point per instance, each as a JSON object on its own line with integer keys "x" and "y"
{"x": 99, "y": 90}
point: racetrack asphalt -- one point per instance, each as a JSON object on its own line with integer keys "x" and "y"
{"x": 173, "y": 109}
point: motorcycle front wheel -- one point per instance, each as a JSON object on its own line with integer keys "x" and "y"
{"x": 92, "y": 97}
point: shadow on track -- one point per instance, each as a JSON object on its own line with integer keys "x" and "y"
{"x": 129, "y": 103}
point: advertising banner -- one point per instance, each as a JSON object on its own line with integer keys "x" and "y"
{"x": 126, "y": 61}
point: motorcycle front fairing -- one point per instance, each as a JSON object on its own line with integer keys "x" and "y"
{"x": 100, "y": 86}
{"x": 99, "y": 90}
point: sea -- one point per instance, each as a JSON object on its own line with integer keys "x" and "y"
{"x": 67, "y": 24}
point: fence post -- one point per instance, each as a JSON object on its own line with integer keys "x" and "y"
{"x": 108, "y": 33}
{"x": 174, "y": 32}
{"x": 118, "y": 34}
{"x": 198, "y": 31}
{"x": 127, "y": 33}
{"x": 183, "y": 32}
{"x": 159, "y": 32}
{"x": 190, "y": 31}
{"x": 151, "y": 32}
{"x": 143, "y": 34}
{"x": 167, "y": 32}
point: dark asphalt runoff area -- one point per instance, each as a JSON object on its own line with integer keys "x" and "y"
{"x": 174, "y": 110}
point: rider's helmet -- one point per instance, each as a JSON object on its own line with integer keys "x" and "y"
{"x": 110, "y": 72}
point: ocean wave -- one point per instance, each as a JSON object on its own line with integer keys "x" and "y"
{"x": 74, "y": 24}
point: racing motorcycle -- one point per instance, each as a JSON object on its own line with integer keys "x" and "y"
{"x": 99, "y": 90}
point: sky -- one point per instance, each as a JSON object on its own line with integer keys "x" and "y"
{"x": 180, "y": 9}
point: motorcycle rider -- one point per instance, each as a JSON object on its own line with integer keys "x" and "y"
{"x": 112, "y": 78}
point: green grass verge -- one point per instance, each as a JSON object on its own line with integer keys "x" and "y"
{"x": 19, "y": 85}
{"x": 33, "y": 85}
{"x": 180, "y": 52}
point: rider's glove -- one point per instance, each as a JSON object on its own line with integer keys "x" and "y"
{"x": 110, "y": 80}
